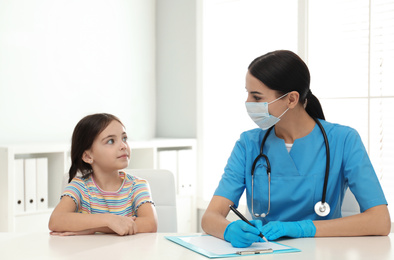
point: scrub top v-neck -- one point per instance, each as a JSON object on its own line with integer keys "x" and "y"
{"x": 297, "y": 176}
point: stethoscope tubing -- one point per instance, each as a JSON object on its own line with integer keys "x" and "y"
{"x": 327, "y": 173}
{"x": 262, "y": 155}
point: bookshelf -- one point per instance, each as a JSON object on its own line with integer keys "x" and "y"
{"x": 144, "y": 155}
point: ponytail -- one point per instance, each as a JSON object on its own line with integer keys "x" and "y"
{"x": 313, "y": 106}
{"x": 75, "y": 168}
{"x": 72, "y": 172}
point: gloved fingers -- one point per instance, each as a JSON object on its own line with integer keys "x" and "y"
{"x": 273, "y": 230}
{"x": 276, "y": 229}
{"x": 258, "y": 224}
{"x": 245, "y": 240}
{"x": 241, "y": 234}
{"x": 248, "y": 228}
{"x": 240, "y": 244}
{"x": 247, "y": 237}
{"x": 274, "y": 234}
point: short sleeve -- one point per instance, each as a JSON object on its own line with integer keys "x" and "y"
{"x": 140, "y": 194}
{"x": 74, "y": 190}
{"x": 360, "y": 175}
{"x": 232, "y": 183}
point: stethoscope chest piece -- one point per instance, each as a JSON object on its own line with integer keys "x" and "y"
{"x": 322, "y": 209}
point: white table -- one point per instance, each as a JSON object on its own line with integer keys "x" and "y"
{"x": 155, "y": 246}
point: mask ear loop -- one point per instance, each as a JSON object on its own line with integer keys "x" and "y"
{"x": 283, "y": 113}
{"x": 278, "y": 98}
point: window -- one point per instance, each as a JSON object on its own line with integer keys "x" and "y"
{"x": 234, "y": 33}
{"x": 351, "y": 58}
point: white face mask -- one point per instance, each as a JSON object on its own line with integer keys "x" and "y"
{"x": 258, "y": 111}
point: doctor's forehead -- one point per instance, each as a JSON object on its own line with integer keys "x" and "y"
{"x": 255, "y": 86}
{"x": 252, "y": 81}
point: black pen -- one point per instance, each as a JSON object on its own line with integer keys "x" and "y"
{"x": 247, "y": 221}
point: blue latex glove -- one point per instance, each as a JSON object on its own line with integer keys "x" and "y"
{"x": 276, "y": 229}
{"x": 241, "y": 234}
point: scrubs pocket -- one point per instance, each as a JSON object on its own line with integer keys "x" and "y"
{"x": 293, "y": 197}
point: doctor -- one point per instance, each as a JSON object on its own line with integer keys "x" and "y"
{"x": 289, "y": 203}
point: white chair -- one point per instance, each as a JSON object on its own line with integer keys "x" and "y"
{"x": 162, "y": 186}
{"x": 350, "y": 205}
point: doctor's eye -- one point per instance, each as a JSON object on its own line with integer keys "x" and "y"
{"x": 257, "y": 98}
{"x": 110, "y": 141}
{"x": 124, "y": 139}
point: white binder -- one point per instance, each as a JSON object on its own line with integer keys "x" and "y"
{"x": 19, "y": 185}
{"x": 186, "y": 171}
{"x": 30, "y": 185}
{"x": 167, "y": 160}
{"x": 42, "y": 183}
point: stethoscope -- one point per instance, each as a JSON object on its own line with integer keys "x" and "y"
{"x": 321, "y": 208}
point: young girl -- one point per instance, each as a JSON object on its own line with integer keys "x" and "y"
{"x": 110, "y": 200}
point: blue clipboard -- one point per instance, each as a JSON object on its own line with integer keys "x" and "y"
{"x": 213, "y": 247}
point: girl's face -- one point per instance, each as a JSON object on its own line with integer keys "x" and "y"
{"x": 110, "y": 150}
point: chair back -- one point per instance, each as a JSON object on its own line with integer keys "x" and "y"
{"x": 162, "y": 187}
{"x": 350, "y": 205}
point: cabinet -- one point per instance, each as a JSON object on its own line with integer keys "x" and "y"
{"x": 12, "y": 218}
{"x": 144, "y": 155}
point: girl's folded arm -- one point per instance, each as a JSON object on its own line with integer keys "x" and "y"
{"x": 64, "y": 218}
{"x": 146, "y": 218}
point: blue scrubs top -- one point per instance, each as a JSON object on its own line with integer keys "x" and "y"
{"x": 297, "y": 177}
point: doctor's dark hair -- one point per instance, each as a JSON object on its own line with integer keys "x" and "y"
{"x": 85, "y": 132}
{"x": 284, "y": 71}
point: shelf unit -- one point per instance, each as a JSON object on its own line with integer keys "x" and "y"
{"x": 57, "y": 155}
{"x": 144, "y": 155}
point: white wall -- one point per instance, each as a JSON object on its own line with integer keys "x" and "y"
{"x": 61, "y": 60}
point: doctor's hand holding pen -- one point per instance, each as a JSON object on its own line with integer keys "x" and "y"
{"x": 242, "y": 233}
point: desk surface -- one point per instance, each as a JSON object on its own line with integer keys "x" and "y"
{"x": 155, "y": 246}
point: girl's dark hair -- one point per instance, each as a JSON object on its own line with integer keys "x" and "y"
{"x": 284, "y": 71}
{"x": 85, "y": 132}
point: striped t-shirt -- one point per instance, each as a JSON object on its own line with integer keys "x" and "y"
{"x": 89, "y": 198}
